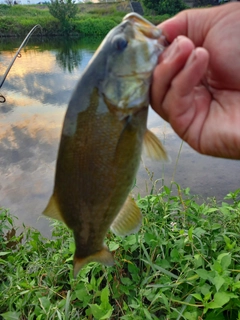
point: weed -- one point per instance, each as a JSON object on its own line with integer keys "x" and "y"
{"x": 183, "y": 264}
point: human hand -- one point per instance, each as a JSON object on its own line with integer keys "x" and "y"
{"x": 196, "y": 85}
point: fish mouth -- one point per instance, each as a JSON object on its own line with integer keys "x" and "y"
{"x": 143, "y": 25}
{"x": 147, "y": 28}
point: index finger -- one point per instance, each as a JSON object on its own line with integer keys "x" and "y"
{"x": 193, "y": 23}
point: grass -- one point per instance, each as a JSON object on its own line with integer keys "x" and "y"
{"x": 91, "y": 20}
{"x": 183, "y": 264}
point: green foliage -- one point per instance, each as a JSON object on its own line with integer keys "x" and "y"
{"x": 94, "y": 27}
{"x": 91, "y": 20}
{"x": 18, "y": 20}
{"x": 160, "y": 7}
{"x": 183, "y": 264}
{"x": 64, "y": 11}
{"x": 24, "y": 10}
{"x": 157, "y": 19}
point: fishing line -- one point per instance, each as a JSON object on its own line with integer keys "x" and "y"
{"x": 18, "y": 54}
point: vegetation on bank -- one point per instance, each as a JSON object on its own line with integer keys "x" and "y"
{"x": 165, "y": 6}
{"x": 184, "y": 263}
{"x": 90, "y": 20}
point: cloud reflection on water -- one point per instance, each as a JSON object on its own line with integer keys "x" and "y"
{"x": 37, "y": 90}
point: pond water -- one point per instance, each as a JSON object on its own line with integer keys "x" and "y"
{"x": 37, "y": 91}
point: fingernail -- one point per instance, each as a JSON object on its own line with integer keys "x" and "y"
{"x": 169, "y": 54}
{"x": 191, "y": 59}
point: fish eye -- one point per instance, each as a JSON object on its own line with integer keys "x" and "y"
{"x": 120, "y": 43}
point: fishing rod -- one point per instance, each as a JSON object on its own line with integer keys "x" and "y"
{"x": 2, "y": 98}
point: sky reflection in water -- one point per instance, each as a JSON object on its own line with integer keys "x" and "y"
{"x": 37, "y": 90}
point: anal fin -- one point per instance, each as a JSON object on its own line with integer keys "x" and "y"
{"x": 128, "y": 219}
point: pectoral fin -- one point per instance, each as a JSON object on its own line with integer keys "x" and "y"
{"x": 153, "y": 147}
{"x": 104, "y": 256}
{"x": 128, "y": 219}
{"x": 52, "y": 210}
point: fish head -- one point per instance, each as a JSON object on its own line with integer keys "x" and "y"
{"x": 131, "y": 51}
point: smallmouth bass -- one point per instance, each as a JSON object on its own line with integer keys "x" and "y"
{"x": 102, "y": 138}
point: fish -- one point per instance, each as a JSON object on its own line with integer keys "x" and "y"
{"x": 103, "y": 136}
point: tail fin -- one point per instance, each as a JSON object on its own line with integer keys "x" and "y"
{"x": 104, "y": 256}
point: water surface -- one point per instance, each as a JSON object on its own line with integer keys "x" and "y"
{"x": 37, "y": 90}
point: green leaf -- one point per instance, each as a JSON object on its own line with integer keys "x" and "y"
{"x": 105, "y": 297}
{"x": 67, "y": 304}
{"x": 96, "y": 311}
{"x": 147, "y": 314}
{"x": 210, "y": 210}
{"x": 218, "y": 281}
{"x": 126, "y": 281}
{"x": 205, "y": 289}
{"x": 217, "y": 267}
{"x": 167, "y": 190}
{"x": 175, "y": 254}
{"x": 197, "y": 296}
{"x": 213, "y": 316}
{"x": 11, "y": 315}
{"x": 191, "y": 315}
{"x": 113, "y": 246}
{"x": 131, "y": 239}
{"x": 99, "y": 313}
{"x": 3, "y": 262}
{"x": 25, "y": 285}
{"x": 220, "y": 298}
{"x": 82, "y": 295}
{"x": 225, "y": 260}
{"x": 165, "y": 301}
{"x": 23, "y": 292}
{"x": 107, "y": 314}
{"x": 45, "y": 303}
{"x": 204, "y": 274}
{"x": 224, "y": 210}
{"x": 4, "y": 253}
{"x": 216, "y": 226}
{"x": 208, "y": 296}
{"x": 190, "y": 232}
{"x": 199, "y": 231}
{"x": 236, "y": 285}
{"x": 72, "y": 247}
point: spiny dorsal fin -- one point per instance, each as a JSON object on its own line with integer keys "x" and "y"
{"x": 153, "y": 147}
{"x": 128, "y": 219}
{"x": 52, "y": 210}
{"x": 104, "y": 256}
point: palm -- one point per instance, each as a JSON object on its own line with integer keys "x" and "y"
{"x": 211, "y": 127}
{"x": 206, "y": 114}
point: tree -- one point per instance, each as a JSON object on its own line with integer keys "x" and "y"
{"x": 64, "y": 11}
{"x": 9, "y": 2}
{"x": 165, "y": 6}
